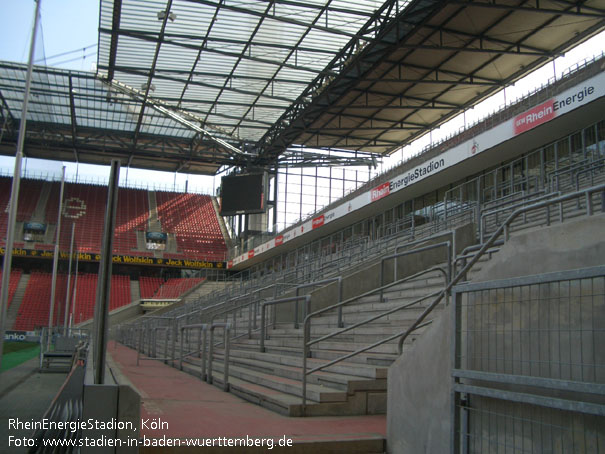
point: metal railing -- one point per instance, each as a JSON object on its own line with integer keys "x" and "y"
{"x": 202, "y": 329}
{"x": 504, "y": 229}
{"x": 226, "y": 330}
{"x": 507, "y": 208}
{"x": 536, "y": 365}
{"x": 379, "y": 247}
{"x": 338, "y": 279}
{"x": 65, "y": 407}
{"x": 446, "y": 244}
{"x": 307, "y": 342}
{"x": 265, "y": 304}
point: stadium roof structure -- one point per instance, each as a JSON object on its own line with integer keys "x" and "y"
{"x": 191, "y": 85}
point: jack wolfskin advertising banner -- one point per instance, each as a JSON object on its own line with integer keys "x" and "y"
{"x": 121, "y": 259}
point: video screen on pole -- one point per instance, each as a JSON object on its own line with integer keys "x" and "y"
{"x": 242, "y": 194}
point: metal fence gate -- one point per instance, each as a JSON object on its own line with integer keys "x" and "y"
{"x": 528, "y": 371}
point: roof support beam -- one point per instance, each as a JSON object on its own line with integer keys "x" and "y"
{"x": 113, "y": 46}
{"x": 267, "y": 15}
{"x": 159, "y": 40}
{"x": 481, "y": 38}
{"x": 216, "y": 75}
{"x": 481, "y": 50}
{"x": 177, "y": 117}
{"x": 151, "y": 74}
{"x": 5, "y": 106}
{"x": 201, "y": 41}
{"x": 292, "y": 52}
{"x": 203, "y": 84}
{"x": 574, "y": 8}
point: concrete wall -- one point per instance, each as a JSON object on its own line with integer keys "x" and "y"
{"x": 119, "y": 315}
{"x": 418, "y": 417}
{"x": 574, "y": 244}
{"x": 418, "y": 394}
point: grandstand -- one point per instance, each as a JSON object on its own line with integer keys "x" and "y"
{"x": 452, "y": 303}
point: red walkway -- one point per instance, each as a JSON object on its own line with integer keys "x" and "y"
{"x": 192, "y": 408}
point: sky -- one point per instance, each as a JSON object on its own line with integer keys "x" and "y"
{"x": 68, "y": 39}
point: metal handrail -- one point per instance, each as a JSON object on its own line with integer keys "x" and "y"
{"x": 152, "y": 344}
{"x": 251, "y": 320}
{"x": 307, "y": 324}
{"x": 569, "y": 169}
{"x": 484, "y": 215}
{"x": 293, "y": 299}
{"x": 226, "y": 327}
{"x": 201, "y": 343}
{"x": 439, "y": 296}
{"x": 316, "y": 284}
{"x": 591, "y": 169}
{"x": 446, "y": 244}
{"x": 587, "y": 193}
{"x": 517, "y": 196}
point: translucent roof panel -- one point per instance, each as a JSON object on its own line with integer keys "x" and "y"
{"x": 237, "y": 65}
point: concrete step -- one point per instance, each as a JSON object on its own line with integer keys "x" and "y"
{"x": 265, "y": 390}
{"x": 337, "y": 380}
{"x": 366, "y": 358}
{"x": 315, "y": 392}
{"x": 322, "y": 330}
{"x": 342, "y": 346}
{"x": 347, "y": 368}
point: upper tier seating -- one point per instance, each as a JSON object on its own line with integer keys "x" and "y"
{"x": 29, "y": 193}
{"x": 190, "y": 217}
{"x": 85, "y": 205}
{"x": 132, "y": 215}
{"x": 193, "y": 219}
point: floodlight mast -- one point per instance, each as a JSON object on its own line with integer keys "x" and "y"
{"x": 12, "y": 212}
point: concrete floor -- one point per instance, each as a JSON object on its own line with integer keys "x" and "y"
{"x": 192, "y": 408}
{"x": 25, "y": 394}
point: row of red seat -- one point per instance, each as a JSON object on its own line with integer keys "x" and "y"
{"x": 193, "y": 219}
{"x": 35, "y": 307}
{"x": 29, "y": 194}
{"x": 190, "y": 217}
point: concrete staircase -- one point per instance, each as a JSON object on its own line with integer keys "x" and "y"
{"x": 273, "y": 378}
{"x": 39, "y": 214}
{"x": 135, "y": 291}
{"x": 13, "y": 310}
{"x": 153, "y": 223}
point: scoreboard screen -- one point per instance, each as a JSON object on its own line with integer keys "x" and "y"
{"x": 243, "y": 194}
